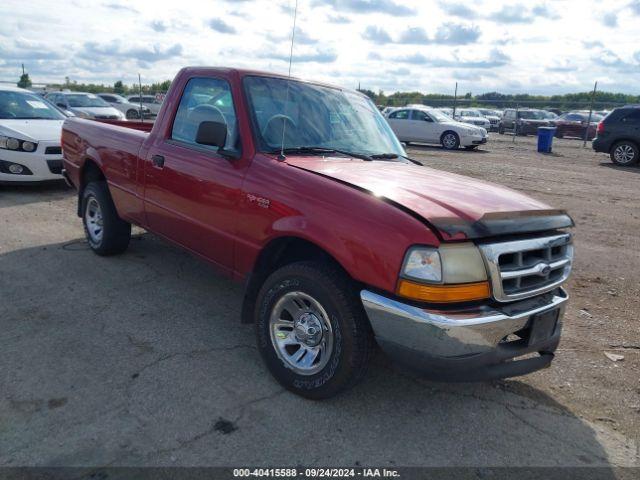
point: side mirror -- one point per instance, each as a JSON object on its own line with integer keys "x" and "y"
{"x": 212, "y": 133}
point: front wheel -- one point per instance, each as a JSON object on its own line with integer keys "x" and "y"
{"x": 132, "y": 114}
{"x": 106, "y": 232}
{"x": 312, "y": 330}
{"x": 625, "y": 153}
{"x": 450, "y": 140}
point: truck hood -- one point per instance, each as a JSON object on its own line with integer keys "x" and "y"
{"x": 32, "y": 130}
{"x": 456, "y": 207}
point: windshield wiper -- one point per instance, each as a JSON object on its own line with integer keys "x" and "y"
{"x": 393, "y": 156}
{"x": 322, "y": 150}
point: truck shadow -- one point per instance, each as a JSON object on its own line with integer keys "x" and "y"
{"x": 141, "y": 360}
{"x": 633, "y": 169}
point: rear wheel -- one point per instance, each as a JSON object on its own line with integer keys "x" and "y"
{"x": 312, "y": 330}
{"x": 450, "y": 140}
{"x": 106, "y": 232}
{"x": 625, "y": 153}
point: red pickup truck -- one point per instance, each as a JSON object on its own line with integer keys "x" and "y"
{"x": 301, "y": 191}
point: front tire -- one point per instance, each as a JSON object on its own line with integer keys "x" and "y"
{"x": 132, "y": 114}
{"x": 625, "y": 153}
{"x": 450, "y": 140}
{"x": 105, "y": 231}
{"x": 312, "y": 331}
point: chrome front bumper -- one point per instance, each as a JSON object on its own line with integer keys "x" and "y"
{"x": 469, "y": 344}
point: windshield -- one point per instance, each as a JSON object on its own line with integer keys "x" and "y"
{"x": 318, "y": 116}
{"x": 119, "y": 99}
{"x": 532, "y": 114}
{"x": 20, "y": 105}
{"x": 85, "y": 100}
{"x": 469, "y": 113}
{"x": 439, "y": 117}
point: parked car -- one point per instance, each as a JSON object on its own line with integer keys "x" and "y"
{"x": 472, "y": 117}
{"x": 84, "y": 105}
{"x": 523, "y": 121}
{"x": 425, "y": 125}
{"x": 492, "y": 116}
{"x": 30, "y": 129}
{"x": 575, "y": 124}
{"x": 551, "y": 116}
{"x": 152, "y": 102}
{"x": 387, "y": 110}
{"x": 130, "y": 110}
{"x": 618, "y": 134}
{"x": 338, "y": 238}
{"x": 446, "y": 110}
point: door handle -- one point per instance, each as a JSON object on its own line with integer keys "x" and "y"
{"x": 158, "y": 161}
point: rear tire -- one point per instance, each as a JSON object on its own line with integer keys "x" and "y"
{"x": 312, "y": 331}
{"x": 106, "y": 232}
{"x": 450, "y": 140}
{"x": 625, "y": 153}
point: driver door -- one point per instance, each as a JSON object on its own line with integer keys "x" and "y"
{"x": 423, "y": 127}
{"x": 191, "y": 191}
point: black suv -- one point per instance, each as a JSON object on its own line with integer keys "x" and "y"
{"x": 619, "y": 135}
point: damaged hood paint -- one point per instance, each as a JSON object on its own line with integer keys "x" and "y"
{"x": 456, "y": 207}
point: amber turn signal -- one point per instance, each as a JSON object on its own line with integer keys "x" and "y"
{"x": 463, "y": 292}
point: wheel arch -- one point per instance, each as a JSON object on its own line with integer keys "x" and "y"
{"x": 277, "y": 253}
{"x": 624, "y": 139}
{"x": 89, "y": 172}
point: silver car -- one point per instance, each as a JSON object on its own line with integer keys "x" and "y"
{"x": 149, "y": 101}
{"x": 84, "y": 105}
{"x": 130, "y": 110}
{"x": 472, "y": 117}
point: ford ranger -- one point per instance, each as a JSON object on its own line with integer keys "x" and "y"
{"x": 302, "y": 192}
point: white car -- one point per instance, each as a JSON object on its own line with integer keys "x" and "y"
{"x": 472, "y": 117}
{"x": 425, "y": 125}
{"x": 85, "y": 105}
{"x": 30, "y": 129}
{"x": 493, "y": 117}
{"x": 131, "y": 111}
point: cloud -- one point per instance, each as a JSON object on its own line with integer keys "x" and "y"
{"x": 159, "y": 26}
{"x": 120, "y": 6}
{"x": 447, "y": 34}
{"x": 321, "y": 56}
{"x": 496, "y": 58}
{"x": 377, "y": 35}
{"x": 592, "y": 44}
{"x": 610, "y": 19}
{"x": 513, "y": 14}
{"x": 143, "y": 54}
{"x": 340, "y": 19}
{"x": 545, "y": 11}
{"x": 367, "y": 6}
{"x": 458, "y": 10}
{"x": 414, "y": 36}
{"x": 221, "y": 26}
{"x": 635, "y": 6}
{"x": 456, "y": 34}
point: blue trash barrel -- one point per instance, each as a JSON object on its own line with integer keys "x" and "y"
{"x": 545, "y": 139}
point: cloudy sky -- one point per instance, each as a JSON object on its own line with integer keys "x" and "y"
{"x": 533, "y": 46}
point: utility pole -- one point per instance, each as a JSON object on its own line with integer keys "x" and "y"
{"x": 586, "y": 130}
{"x": 455, "y": 100}
{"x": 23, "y": 69}
{"x": 140, "y": 85}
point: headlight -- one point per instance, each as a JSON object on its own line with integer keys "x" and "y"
{"x": 451, "y": 273}
{"x": 10, "y": 143}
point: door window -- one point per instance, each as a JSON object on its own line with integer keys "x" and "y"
{"x": 633, "y": 117}
{"x": 200, "y": 102}
{"x": 420, "y": 115}
{"x": 400, "y": 115}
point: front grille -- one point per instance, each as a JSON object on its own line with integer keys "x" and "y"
{"x": 55, "y": 166}
{"x": 53, "y": 151}
{"x": 493, "y": 121}
{"x": 524, "y": 268}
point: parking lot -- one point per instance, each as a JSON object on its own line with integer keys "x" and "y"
{"x": 141, "y": 359}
